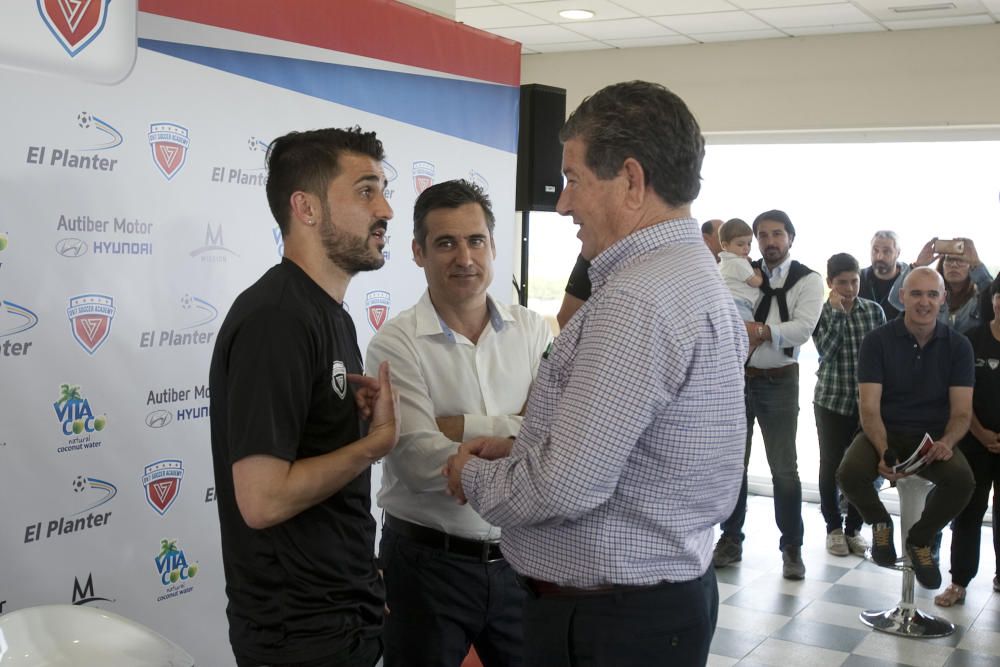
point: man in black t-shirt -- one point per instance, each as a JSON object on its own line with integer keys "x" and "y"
{"x": 291, "y": 449}
{"x": 877, "y": 280}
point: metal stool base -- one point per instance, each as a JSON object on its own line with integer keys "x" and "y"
{"x": 907, "y": 622}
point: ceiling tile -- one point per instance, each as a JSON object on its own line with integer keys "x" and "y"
{"x": 463, "y": 4}
{"x": 622, "y": 29}
{"x": 714, "y": 22}
{"x": 643, "y": 42}
{"x": 669, "y": 7}
{"x": 770, "y": 4}
{"x": 737, "y": 36}
{"x": 549, "y": 10}
{"x": 943, "y": 22}
{"x": 488, "y": 18}
{"x": 882, "y": 10}
{"x": 841, "y": 29}
{"x": 540, "y": 34}
{"x": 570, "y": 46}
{"x": 829, "y": 14}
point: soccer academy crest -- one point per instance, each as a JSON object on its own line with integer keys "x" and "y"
{"x": 169, "y": 143}
{"x": 423, "y": 175}
{"x": 377, "y": 305}
{"x": 338, "y": 378}
{"x": 162, "y": 481}
{"x": 90, "y": 317}
{"x": 74, "y": 23}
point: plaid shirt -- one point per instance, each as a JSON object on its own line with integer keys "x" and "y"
{"x": 632, "y": 445}
{"x": 838, "y": 338}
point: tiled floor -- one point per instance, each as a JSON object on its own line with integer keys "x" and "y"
{"x": 766, "y": 620}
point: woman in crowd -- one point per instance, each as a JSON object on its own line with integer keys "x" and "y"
{"x": 965, "y": 277}
{"x": 982, "y": 449}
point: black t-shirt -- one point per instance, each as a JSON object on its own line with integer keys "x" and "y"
{"x": 306, "y": 588}
{"x": 878, "y": 290}
{"x": 986, "y": 395}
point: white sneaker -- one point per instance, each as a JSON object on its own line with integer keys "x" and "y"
{"x": 858, "y": 544}
{"x": 836, "y": 543}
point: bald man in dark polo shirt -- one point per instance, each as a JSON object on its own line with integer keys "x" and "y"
{"x": 915, "y": 376}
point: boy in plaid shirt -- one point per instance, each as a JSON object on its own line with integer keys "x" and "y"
{"x": 843, "y": 323}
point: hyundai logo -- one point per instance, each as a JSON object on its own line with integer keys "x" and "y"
{"x": 71, "y": 247}
{"x": 158, "y": 418}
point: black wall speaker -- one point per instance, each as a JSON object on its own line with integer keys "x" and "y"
{"x": 539, "y": 153}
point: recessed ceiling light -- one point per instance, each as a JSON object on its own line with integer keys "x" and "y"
{"x": 923, "y": 8}
{"x": 577, "y": 14}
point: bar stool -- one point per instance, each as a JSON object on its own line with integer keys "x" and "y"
{"x": 905, "y": 619}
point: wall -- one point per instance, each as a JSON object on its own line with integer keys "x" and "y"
{"x": 939, "y": 78}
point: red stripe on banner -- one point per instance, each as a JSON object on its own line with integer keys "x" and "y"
{"x": 382, "y": 29}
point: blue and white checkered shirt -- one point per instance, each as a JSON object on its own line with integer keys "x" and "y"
{"x": 631, "y": 449}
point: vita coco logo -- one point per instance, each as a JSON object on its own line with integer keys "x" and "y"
{"x": 195, "y": 313}
{"x": 99, "y": 135}
{"x": 77, "y": 419}
{"x": 94, "y": 492}
{"x": 256, "y": 177}
{"x": 175, "y": 571}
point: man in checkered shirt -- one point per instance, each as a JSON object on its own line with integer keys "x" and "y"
{"x": 632, "y": 444}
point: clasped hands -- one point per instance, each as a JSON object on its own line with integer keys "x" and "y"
{"x": 487, "y": 447}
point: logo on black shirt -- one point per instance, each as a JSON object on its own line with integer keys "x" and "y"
{"x": 338, "y": 379}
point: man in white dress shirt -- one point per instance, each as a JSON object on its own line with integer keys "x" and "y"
{"x": 463, "y": 364}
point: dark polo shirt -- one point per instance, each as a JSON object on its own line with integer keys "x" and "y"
{"x": 915, "y": 381}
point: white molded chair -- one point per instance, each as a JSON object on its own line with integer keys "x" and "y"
{"x": 75, "y": 636}
{"x": 905, "y": 619}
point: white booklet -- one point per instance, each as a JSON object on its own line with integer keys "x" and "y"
{"x": 916, "y": 460}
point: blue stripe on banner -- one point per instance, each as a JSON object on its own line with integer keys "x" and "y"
{"x": 481, "y": 112}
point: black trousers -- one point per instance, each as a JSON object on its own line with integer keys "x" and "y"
{"x": 966, "y": 529}
{"x": 365, "y": 654}
{"x": 441, "y": 603}
{"x": 670, "y": 625}
{"x": 836, "y": 433}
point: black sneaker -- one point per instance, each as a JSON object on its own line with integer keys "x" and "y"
{"x": 883, "y": 547}
{"x": 727, "y": 551}
{"x": 996, "y": 584}
{"x": 925, "y": 567}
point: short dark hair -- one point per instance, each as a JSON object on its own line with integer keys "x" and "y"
{"x": 733, "y": 229}
{"x": 648, "y": 123}
{"x": 449, "y": 194}
{"x": 308, "y": 161}
{"x": 774, "y": 215}
{"x": 707, "y": 227}
{"x": 840, "y": 263}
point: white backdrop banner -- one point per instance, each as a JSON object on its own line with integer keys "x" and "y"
{"x": 132, "y": 214}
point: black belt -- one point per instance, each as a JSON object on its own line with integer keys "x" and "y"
{"x": 485, "y": 552}
{"x": 779, "y": 372}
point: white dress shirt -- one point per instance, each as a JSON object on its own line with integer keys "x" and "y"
{"x": 805, "y": 303}
{"x": 441, "y": 373}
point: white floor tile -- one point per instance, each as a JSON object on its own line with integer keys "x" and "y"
{"x": 720, "y": 661}
{"x": 725, "y": 590}
{"x": 750, "y": 620}
{"x": 904, "y": 651}
{"x": 782, "y": 654}
{"x": 846, "y": 616}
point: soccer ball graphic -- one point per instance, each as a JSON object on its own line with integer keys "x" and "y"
{"x": 186, "y": 301}
{"x": 83, "y": 119}
{"x": 252, "y": 141}
{"x": 79, "y": 484}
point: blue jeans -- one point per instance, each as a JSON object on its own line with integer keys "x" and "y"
{"x": 774, "y": 403}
